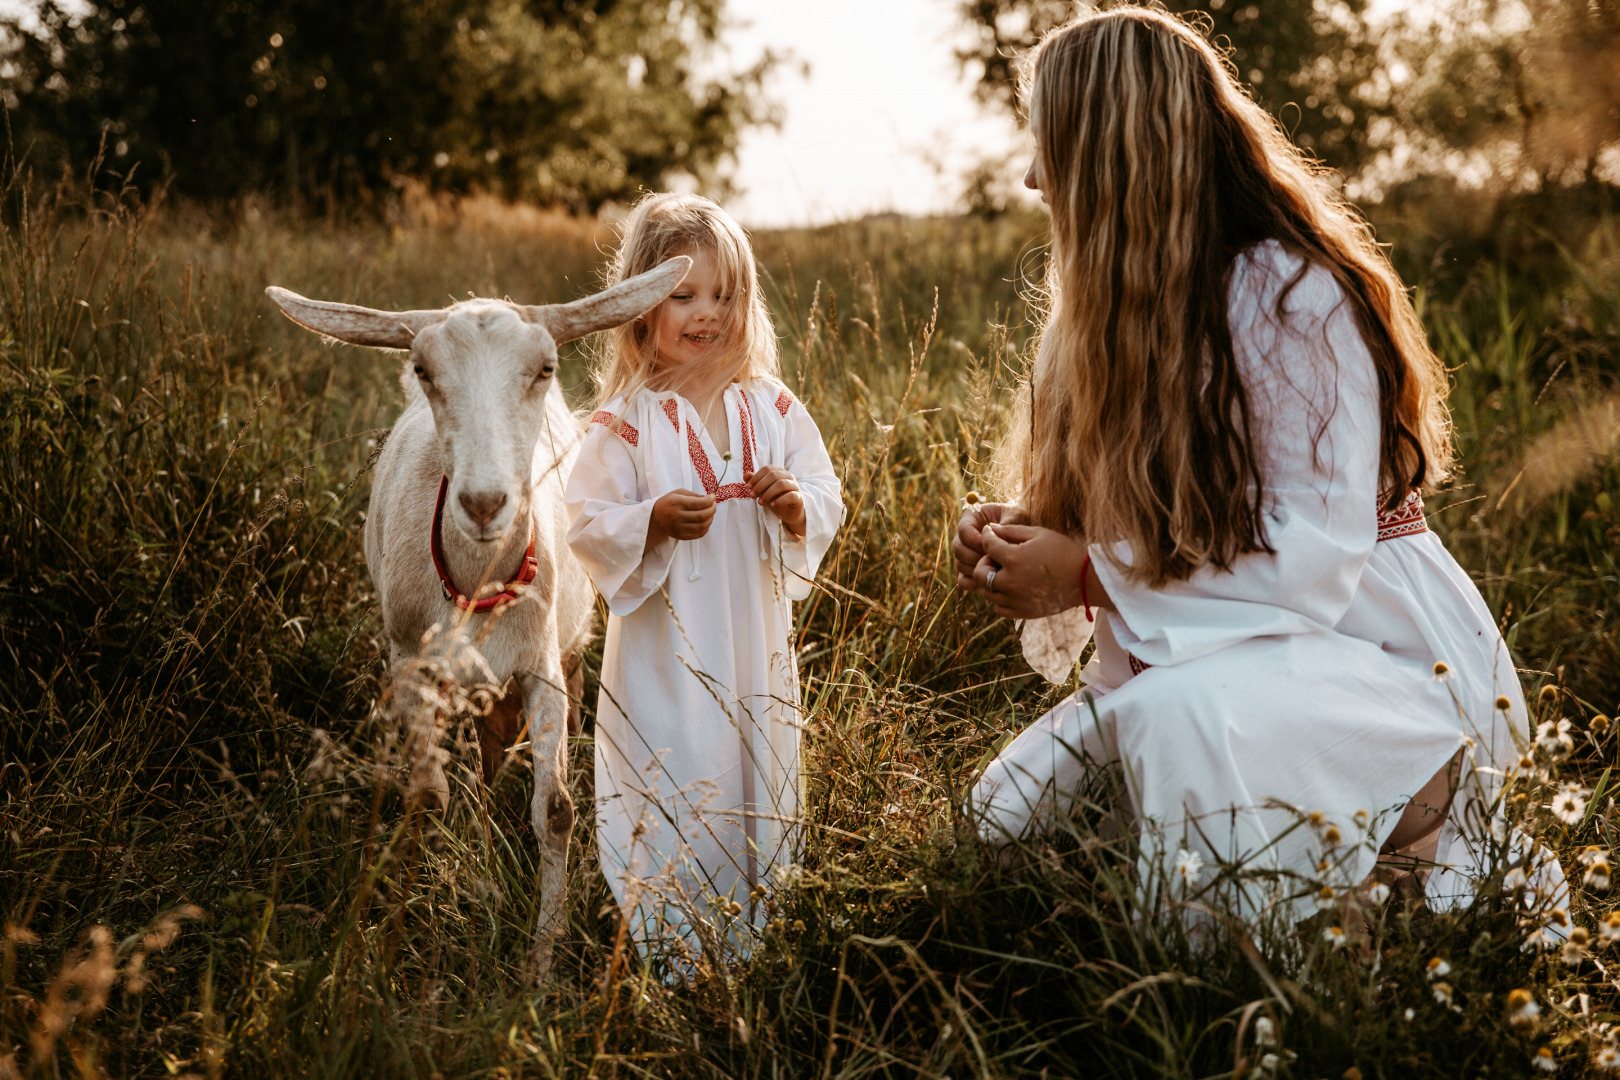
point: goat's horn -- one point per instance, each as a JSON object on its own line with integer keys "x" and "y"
{"x": 356, "y": 325}
{"x": 614, "y": 306}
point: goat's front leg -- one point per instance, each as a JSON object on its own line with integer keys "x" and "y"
{"x": 552, "y": 812}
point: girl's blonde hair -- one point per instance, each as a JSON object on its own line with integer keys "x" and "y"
{"x": 662, "y": 226}
{"x": 1160, "y": 171}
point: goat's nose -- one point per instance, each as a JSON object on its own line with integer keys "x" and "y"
{"x": 482, "y": 506}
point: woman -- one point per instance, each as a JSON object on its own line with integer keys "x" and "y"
{"x": 1231, "y": 416}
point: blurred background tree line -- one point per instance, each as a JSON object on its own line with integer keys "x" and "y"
{"x": 1514, "y": 103}
{"x": 1485, "y": 126}
{"x": 563, "y": 102}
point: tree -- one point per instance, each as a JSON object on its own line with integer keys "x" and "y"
{"x": 1515, "y": 95}
{"x": 1309, "y": 62}
{"x": 562, "y": 101}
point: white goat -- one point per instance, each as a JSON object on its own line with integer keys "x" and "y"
{"x": 487, "y": 434}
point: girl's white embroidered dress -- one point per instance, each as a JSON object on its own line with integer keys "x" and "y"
{"x": 697, "y": 724}
{"x": 1304, "y": 678}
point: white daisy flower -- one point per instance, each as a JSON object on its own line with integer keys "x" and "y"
{"x": 1569, "y": 805}
{"x": 1608, "y": 1057}
{"x": 1378, "y": 894}
{"x": 1609, "y": 927}
{"x": 1265, "y": 1032}
{"x": 1522, "y": 1010}
{"x": 1335, "y": 936}
{"x": 1597, "y": 877}
{"x": 1544, "y": 1060}
{"x": 1442, "y": 671}
{"x": 1326, "y": 898}
{"x": 1554, "y": 737}
{"x": 1575, "y": 947}
{"x": 1442, "y": 993}
{"x": 1189, "y": 864}
{"x": 1436, "y": 969}
{"x": 1515, "y": 878}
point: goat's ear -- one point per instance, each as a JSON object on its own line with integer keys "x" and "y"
{"x": 355, "y": 325}
{"x": 614, "y": 306}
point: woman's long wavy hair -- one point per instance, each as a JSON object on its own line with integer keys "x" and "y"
{"x": 1160, "y": 171}
{"x": 659, "y": 227}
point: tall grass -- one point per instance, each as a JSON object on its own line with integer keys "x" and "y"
{"x": 206, "y": 862}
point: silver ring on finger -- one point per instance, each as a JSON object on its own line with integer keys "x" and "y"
{"x": 990, "y": 582}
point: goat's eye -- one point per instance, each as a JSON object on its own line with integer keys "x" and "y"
{"x": 546, "y": 371}
{"x": 421, "y": 373}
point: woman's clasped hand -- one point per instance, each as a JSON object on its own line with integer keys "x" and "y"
{"x": 1025, "y": 571}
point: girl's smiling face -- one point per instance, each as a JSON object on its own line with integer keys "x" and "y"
{"x": 688, "y": 326}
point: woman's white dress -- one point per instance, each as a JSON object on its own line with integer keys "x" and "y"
{"x": 1299, "y": 681}
{"x": 697, "y": 724}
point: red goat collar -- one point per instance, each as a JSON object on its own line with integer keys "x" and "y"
{"x": 508, "y": 592}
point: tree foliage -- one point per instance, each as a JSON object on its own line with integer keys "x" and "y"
{"x": 1307, "y": 61}
{"x": 1530, "y": 91}
{"x": 572, "y": 102}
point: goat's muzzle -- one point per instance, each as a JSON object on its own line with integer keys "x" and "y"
{"x": 482, "y": 506}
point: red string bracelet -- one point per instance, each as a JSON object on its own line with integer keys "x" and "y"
{"x": 1085, "y": 572}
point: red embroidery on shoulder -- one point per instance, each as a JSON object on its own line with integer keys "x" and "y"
{"x": 1405, "y": 520}
{"x": 673, "y": 411}
{"x": 626, "y": 432}
{"x": 784, "y": 402}
{"x": 1137, "y": 666}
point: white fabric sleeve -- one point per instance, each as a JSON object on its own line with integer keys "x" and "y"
{"x": 609, "y": 511}
{"x": 805, "y": 456}
{"x": 1313, "y": 396}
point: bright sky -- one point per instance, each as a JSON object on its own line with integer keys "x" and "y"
{"x": 885, "y": 120}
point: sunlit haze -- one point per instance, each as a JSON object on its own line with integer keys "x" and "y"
{"x": 885, "y": 120}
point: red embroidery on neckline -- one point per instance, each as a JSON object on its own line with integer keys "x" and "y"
{"x": 705, "y": 471}
{"x": 784, "y": 403}
{"x": 746, "y": 416}
{"x": 700, "y": 459}
{"x": 628, "y": 433}
{"x": 1405, "y": 520}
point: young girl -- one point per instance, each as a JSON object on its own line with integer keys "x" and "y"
{"x": 1234, "y": 410}
{"x": 702, "y": 503}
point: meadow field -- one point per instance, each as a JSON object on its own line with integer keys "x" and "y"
{"x": 209, "y": 865}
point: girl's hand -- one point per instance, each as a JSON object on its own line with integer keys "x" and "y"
{"x": 968, "y": 547}
{"x": 680, "y": 515}
{"x": 1037, "y": 571}
{"x": 778, "y": 492}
